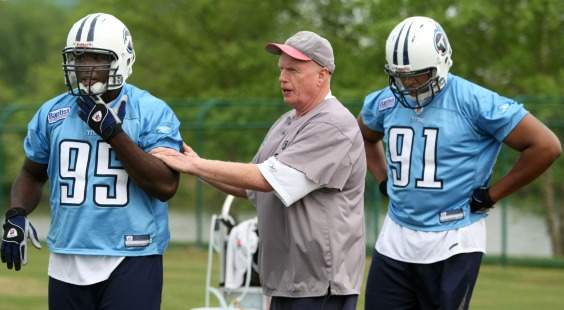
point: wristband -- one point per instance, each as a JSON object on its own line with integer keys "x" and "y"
{"x": 11, "y": 212}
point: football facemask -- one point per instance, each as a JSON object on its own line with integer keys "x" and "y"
{"x": 414, "y": 95}
{"x": 89, "y": 72}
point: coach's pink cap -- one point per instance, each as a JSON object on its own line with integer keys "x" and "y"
{"x": 306, "y": 45}
{"x": 277, "y": 48}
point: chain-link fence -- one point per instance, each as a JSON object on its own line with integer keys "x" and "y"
{"x": 233, "y": 130}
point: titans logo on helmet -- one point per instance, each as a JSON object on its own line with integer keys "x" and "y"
{"x": 441, "y": 44}
{"x": 127, "y": 41}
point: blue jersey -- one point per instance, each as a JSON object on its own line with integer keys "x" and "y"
{"x": 436, "y": 157}
{"x": 96, "y": 209}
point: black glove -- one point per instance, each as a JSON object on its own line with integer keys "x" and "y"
{"x": 100, "y": 117}
{"x": 383, "y": 187}
{"x": 481, "y": 201}
{"x": 17, "y": 229}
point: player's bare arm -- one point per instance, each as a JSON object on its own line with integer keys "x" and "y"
{"x": 240, "y": 175}
{"x": 149, "y": 173}
{"x": 221, "y": 173}
{"x": 228, "y": 189}
{"x": 27, "y": 188}
{"x": 539, "y": 147}
{"x": 375, "y": 158}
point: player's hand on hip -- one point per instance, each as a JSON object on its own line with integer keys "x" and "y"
{"x": 17, "y": 229}
{"x": 100, "y": 117}
{"x": 481, "y": 201}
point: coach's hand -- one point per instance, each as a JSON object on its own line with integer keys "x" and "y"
{"x": 17, "y": 229}
{"x": 481, "y": 201}
{"x": 101, "y": 117}
{"x": 181, "y": 162}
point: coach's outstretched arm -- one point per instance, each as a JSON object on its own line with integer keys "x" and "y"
{"x": 222, "y": 187}
{"x": 229, "y": 177}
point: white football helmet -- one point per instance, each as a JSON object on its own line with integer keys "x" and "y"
{"x": 103, "y": 34}
{"x": 417, "y": 46}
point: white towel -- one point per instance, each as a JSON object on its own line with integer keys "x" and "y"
{"x": 241, "y": 245}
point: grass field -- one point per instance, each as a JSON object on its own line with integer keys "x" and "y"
{"x": 185, "y": 267}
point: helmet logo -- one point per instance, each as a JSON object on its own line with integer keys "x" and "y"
{"x": 83, "y": 44}
{"x": 127, "y": 41}
{"x": 441, "y": 43}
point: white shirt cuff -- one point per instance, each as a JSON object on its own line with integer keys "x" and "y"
{"x": 289, "y": 184}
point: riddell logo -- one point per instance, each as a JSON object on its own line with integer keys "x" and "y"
{"x": 97, "y": 117}
{"x": 12, "y": 233}
{"x": 83, "y": 44}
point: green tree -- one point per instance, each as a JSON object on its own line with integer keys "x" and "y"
{"x": 214, "y": 49}
{"x": 31, "y": 39}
